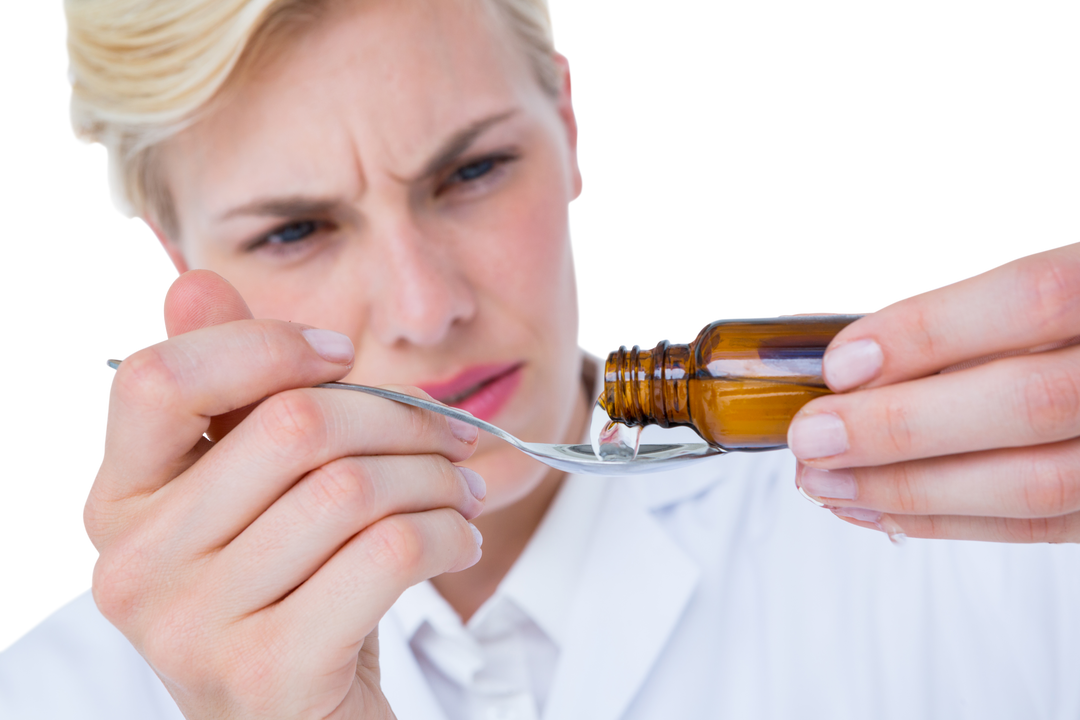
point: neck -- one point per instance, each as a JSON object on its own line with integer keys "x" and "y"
{"x": 506, "y": 533}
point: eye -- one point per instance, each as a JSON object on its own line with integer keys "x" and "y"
{"x": 292, "y": 240}
{"x": 474, "y": 170}
{"x": 476, "y": 173}
{"x": 291, "y": 233}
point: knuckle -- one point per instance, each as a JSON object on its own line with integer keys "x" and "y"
{"x": 909, "y": 493}
{"x": 294, "y": 423}
{"x": 422, "y": 423}
{"x": 1050, "y": 287}
{"x": 1050, "y": 487}
{"x": 1050, "y": 401}
{"x": 448, "y": 480}
{"x": 95, "y": 519}
{"x": 396, "y": 546}
{"x": 919, "y": 331}
{"x": 146, "y": 380}
{"x": 118, "y": 583}
{"x": 937, "y": 526}
{"x": 343, "y": 488}
{"x": 418, "y": 422}
{"x": 897, "y": 427}
{"x": 1034, "y": 530}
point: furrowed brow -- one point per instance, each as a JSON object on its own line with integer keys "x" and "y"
{"x": 299, "y": 206}
{"x": 459, "y": 143}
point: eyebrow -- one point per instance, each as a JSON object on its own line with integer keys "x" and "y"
{"x": 459, "y": 143}
{"x": 298, "y": 205}
{"x": 293, "y": 206}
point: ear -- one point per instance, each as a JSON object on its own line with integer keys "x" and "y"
{"x": 565, "y": 106}
{"x": 171, "y": 248}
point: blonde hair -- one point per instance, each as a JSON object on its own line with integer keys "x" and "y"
{"x": 143, "y": 70}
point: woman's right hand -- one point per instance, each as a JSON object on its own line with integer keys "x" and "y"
{"x": 251, "y": 566}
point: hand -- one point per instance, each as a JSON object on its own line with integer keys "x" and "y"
{"x": 988, "y": 449}
{"x": 250, "y": 567}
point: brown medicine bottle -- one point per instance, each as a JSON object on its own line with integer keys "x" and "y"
{"x": 738, "y": 384}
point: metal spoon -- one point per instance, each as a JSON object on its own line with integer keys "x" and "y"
{"x": 571, "y": 458}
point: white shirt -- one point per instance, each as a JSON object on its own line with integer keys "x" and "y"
{"x": 500, "y": 665}
{"x": 714, "y": 592}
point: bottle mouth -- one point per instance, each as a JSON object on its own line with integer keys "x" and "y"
{"x": 648, "y": 387}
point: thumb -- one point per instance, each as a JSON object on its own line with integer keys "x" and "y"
{"x": 201, "y": 298}
{"x": 367, "y": 668}
{"x": 369, "y": 677}
{"x": 198, "y": 299}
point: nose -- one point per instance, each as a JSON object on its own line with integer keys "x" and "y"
{"x": 422, "y": 292}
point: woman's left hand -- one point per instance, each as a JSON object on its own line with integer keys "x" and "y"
{"x": 987, "y": 449}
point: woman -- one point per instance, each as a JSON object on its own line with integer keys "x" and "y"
{"x": 386, "y": 185}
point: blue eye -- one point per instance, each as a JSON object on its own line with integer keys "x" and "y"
{"x": 474, "y": 170}
{"x": 291, "y": 233}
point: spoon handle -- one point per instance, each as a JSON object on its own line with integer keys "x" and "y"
{"x": 435, "y": 407}
{"x": 404, "y": 399}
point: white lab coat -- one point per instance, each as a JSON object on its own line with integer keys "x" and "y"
{"x": 715, "y": 592}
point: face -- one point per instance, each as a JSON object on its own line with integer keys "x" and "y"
{"x": 400, "y": 176}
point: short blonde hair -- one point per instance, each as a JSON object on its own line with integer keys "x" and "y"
{"x": 143, "y": 70}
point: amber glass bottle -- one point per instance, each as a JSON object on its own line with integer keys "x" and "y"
{"x": 738, "y": 384}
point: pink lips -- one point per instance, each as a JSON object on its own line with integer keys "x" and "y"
{"x": 482, "y": 390}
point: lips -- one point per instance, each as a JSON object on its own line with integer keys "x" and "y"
{"x": 482, "y": 390}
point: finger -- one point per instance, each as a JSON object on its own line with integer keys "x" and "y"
{"x": 303, "y": 529}
{"x": 1034, "y": 301}
{"x": 1036, "y": 482}
{"x": 1060, "y": 529}
{"x": 331, "y": 613}
{"x": 1020, "y": 401}
{"x": 164, "y": 396}
{"x": 289, "y": 435}
{"x": 201, "y": 298}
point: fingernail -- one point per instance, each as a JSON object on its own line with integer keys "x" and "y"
{"x": 861, "y": 514}
{"x": 477, "y": 536}
{"x": 476, "y": 484}
{"x": 894, "y": 531}
{"x": 331, "y": 346}
{"x": 817, "y": 436}
{"x": 828, "y": 484}
{"x": 807, "y": 495}
{"x": 463, "y": 431}
{"x": 884, "y": 523}
{"x": 852, "y": 364}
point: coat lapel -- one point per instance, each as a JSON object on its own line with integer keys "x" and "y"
{"x": 635, "y": 585}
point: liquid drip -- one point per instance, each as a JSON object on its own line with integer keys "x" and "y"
{"x": 617, "y": 442}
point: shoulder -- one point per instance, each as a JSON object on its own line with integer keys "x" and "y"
{"x": 76, "y": 665}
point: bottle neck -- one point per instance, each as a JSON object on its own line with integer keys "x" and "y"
{"x": 648, "y": 387}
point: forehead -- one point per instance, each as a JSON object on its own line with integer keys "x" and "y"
{"x": 381, "y": 82}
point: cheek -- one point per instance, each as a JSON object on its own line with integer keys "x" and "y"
{"x": 527, "y": 260}
{"x": 311, "y": 293}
